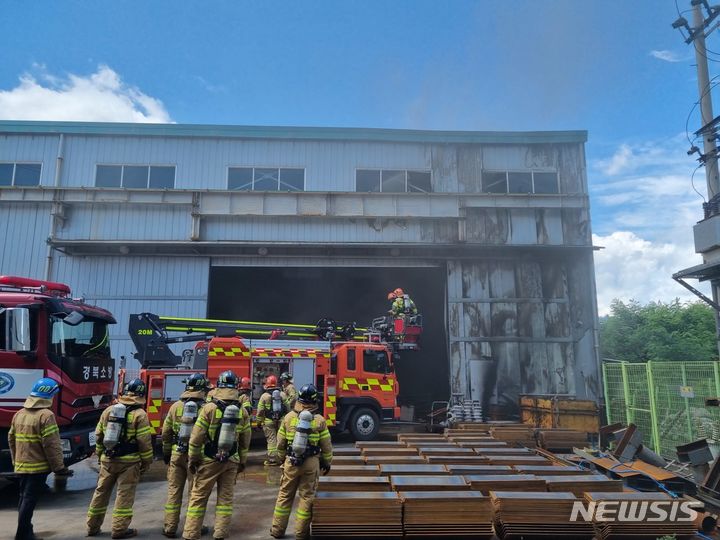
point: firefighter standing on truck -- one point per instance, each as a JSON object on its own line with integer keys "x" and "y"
{"x": 34, "y": 442}
{"x": 271, "y": 408}
{"x": 176, "y": 439}
{"x": 218, "y": 452}
{"x": 286, "y": 380}
{"x": 402, "y": 304}
{"x": 124, "y": 448}
{"x": 245, "y": 388}
{"x": 305, "y": 440}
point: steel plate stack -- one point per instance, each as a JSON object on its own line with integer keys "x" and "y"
{"x": 382, "y": 451}
{"x": 400, "y": 460}
{"x": 518, "y": 460}
{"x": 480, "y": 469}
{"x": 519, "y": 434}
{"x": 537, "y": 515}
{"x": 579, "y": 484}
{"x": 551, "y": 470}
{"x": 354, "y": 470}
{"x": 353, "y": 483}
{"x": 429, "y": 483}
{"x": 455, "y": 459}
{"x": 450, "y": 449}
{"x": 638, "y": 529}
{"x": 421, "y": 470}
{"x": 562, "y": 439}
{"x": 373, "y": 515}
{"x": 452, "y": 514}
{"x": 348, "y": 460}
{"x": 505, "y": 482}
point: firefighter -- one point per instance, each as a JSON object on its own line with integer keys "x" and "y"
{"x": 175, "y": 438}
{"x": 124, "y": 449}
{"x": 245, "y": 388}
{"x": 217, "y": 453}
{"x": 286, "y": 380}
{"x": 271, "y": 408}
{"x": 402, "y": 305}
{"x": 35, "y": 451}
{"x": 304, "y": 438}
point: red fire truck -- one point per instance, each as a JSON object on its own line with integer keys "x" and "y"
{"x": 44, "y": 332}
{"x": 354, "y": 374}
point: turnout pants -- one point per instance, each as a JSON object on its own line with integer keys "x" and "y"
{"x": 270, "y": 432}
{"x": 209, "y": 474}
{"x": 302, "y": 480}
{"x": 177, "y": 476}
{"x": 126, "y": 476}
{"x": 31, "y": 488}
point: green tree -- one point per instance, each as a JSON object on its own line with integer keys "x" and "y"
{"x": 658, "y": 331}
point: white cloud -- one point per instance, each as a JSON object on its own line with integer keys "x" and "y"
{"x": 101, "y": 97}
{"x": 644, "y": 209}
{"x": 668, "y": 56}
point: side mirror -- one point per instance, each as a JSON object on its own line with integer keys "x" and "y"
{"x": 17, "y": 329}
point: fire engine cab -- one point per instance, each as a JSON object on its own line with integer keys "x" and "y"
{"x": 44, "y": 332}
{"x": 354, "y": 374}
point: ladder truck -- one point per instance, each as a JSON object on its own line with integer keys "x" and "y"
{"x": 353, "y": 368}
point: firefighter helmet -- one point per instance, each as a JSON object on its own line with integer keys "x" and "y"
{"x": 44, "y": 388}
{"x": 227, "y": 379}
{"x": 396, "y": 293}
{"x": 285, "y": 377}
{"x": 308, "y": 394}
{"x": 245, "y": 383}
{"x": 270, "y": 382}
{"x": 196, "y": 383}
{"x": 135, "y": 388}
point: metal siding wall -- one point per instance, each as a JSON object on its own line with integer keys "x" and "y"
{"x": 127, "y": 222}
{"x": 320, "y": 262}
{"x": 202, "y": 163}
{"x": 23, "y": 230}
{"x": 42, "y": 148}
{"x": 125, "y": 285}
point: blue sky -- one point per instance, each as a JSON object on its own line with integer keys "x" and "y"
{"x": 485, "y": 65}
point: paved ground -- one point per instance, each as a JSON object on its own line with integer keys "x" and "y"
{"x": 61, "y": 513}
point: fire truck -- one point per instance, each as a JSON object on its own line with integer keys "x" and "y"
{"x": 353, "y": 368}
{"x": 44, "y": 332}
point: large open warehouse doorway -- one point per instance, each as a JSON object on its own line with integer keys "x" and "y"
{"x": 306, "y": 294}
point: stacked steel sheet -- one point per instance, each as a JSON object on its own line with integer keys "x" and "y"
{"x": 454, "y": 459}
{"x": 453, "y": 514}
{"x": 373, "y": 514}
{"x": 379, "y": 444}
{"x": 353, "y": 483}
{"x": 346, "y": 452}
{"x": 480, "y": 443}
{"x": 445, "y": 450}
{"x": 646, "y": 527}
{"x": 354, "y": 470}
{"x": 561, "y": 439}
{"x": 580, "y": 483}
{"x": 551, "y": 470}
{"x": 518, "y": 433}
{"x": 400, "y": 460}
{"x": 349, "y": 460}
{"x": 503, "y": 451}
{"x": 537, "y": 515}
{"x": 420, "y": 470}
{"x": 505, "y": 482}
{"x": 480, "y": 469}
{"x": 518, "y": 460}
{"x": 383, "y": 451}
{"x": 428, "y": 483}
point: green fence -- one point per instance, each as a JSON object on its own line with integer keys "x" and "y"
{"x": 666, "y": 400}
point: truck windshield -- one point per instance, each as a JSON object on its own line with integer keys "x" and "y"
{"x": 89, "y": 338}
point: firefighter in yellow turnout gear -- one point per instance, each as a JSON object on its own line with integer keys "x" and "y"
{"x": 305, "y": 440}
{"x": 175, "y": 439}
{"x": 217, "y": 452}
{"x": 34, "y": 442}
{"x": 272, "y": 407}
{"x": 288, "y": 387}
{"x": 124, "y": 447}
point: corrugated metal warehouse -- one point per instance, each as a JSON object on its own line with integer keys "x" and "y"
{"x": 489, "y": 232}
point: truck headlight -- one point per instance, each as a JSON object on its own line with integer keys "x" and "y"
{"x": 66, "y": 448}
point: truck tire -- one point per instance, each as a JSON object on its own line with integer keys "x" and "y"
{"x": 365, "y": 424}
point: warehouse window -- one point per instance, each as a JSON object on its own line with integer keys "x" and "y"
{"x": 135, "y": 176}
{"x": 392, "y": 181}
{"x": 266, "y": 179}
{"x": 520, "y": 182}
{"x": 20, "y": 174}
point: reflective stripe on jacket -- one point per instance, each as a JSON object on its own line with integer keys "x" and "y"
{"x": 34, "y": 441}
{"x": 318, "y": 436}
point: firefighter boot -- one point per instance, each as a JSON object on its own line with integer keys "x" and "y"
{"x": 271, "y": 438}
{"x": 177, "y": 475}
{"x": 209, "y": 474}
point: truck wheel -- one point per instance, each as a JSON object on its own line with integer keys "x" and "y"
{"x": 365, "y": 424}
